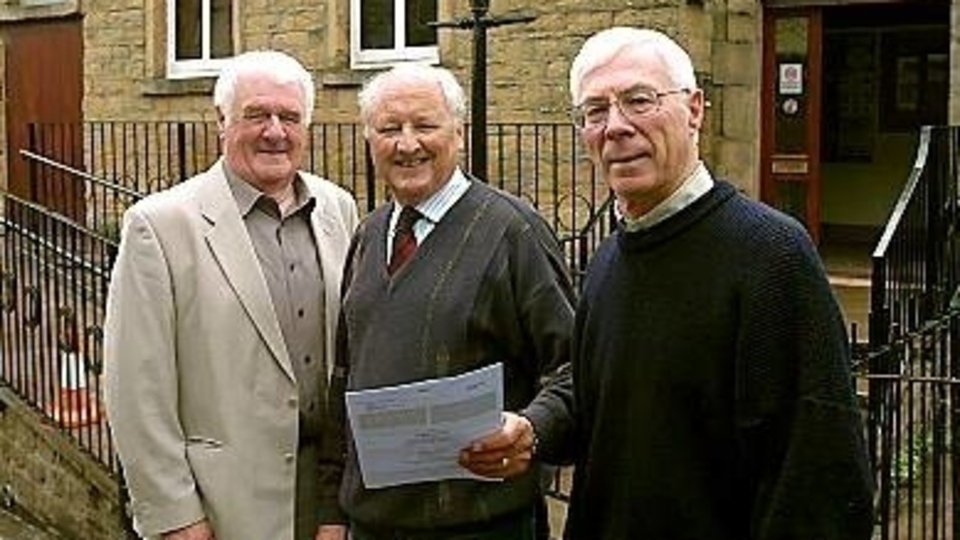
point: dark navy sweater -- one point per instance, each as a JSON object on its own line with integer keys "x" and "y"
{"x": 713, "y": 392}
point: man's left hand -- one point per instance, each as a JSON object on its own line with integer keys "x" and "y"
{"x": 503, "y": 454}
{"x": 331, "y": 532}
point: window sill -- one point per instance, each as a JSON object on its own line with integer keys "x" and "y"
{"x": 178, "y": 87}
{"x": 342, "y": 79}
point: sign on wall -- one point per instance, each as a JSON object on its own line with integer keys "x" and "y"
{"x": 791, "y": 79}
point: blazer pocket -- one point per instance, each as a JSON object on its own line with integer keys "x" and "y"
{"x": 207, "y": 442}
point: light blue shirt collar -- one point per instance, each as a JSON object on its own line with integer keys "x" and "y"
{"x": 433, "y": 208}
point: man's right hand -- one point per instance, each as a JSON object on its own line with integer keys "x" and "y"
{"x": 200, "y": 530}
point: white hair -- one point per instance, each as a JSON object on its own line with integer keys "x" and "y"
{"x": 372, "y": 92}
{"x": 606, "y": 44}
{"x": 278, "y": 66}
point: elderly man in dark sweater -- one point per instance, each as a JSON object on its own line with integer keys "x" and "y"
{"x": 711, "y": 389}
{"x": 486, "y": 283}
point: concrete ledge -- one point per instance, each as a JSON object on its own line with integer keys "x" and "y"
{"x": 39, "y": 11}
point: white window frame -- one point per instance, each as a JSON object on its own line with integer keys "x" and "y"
{"x": 379, "y": 58}
{"x": 205, "y": 66}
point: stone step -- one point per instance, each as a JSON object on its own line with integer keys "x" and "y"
{"x": 13, "y": 527}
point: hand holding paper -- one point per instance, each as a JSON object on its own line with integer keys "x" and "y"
{"x": 504, "y": 453}
{"x": 415, "y": 432}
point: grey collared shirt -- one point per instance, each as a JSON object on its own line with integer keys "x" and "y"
{"x": 287, "y": 251}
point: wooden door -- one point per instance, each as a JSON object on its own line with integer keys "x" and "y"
{"x": 44, "y": 86}
{"x": 790, "y": 140}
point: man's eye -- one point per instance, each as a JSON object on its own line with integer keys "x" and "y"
{"x": 255, "y": 115}
{"x": 593, "y": 111}
{"x": 639, "y": 101}
{"x": 289, "y": 117}
{"x": 388, "y": 130}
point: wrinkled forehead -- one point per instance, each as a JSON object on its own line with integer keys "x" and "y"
{"x": 260, "y": 89}
{"x": 628, "y": 67}
{"x": 410, "y": 97}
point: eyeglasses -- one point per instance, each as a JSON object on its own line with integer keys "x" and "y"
{"x": 633, "y": 103}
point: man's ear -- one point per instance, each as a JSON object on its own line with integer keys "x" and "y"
{"x": 461, "y": 140}
{"x": 221, "y": 120}
{"x": 698, "y": 105}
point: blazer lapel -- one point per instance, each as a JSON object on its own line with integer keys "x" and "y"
{"x": 231, "y": 247}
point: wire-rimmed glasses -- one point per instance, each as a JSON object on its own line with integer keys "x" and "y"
{"x": 633, "y": 103}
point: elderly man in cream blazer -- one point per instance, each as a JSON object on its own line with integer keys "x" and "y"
{"x": 220, "y": 322}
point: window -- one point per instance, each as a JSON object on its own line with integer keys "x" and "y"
{"x": 389, "y": 31}
{"x": 914, "y": 81}
{"x": 199, "y": 37}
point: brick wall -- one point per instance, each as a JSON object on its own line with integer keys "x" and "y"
{"x": 52, "y": 479}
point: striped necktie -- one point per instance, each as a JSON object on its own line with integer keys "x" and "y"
{"x": 404, "y": 241}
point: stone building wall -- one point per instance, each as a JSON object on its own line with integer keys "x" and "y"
{"x": 44, "y": 473}
{"x": 526, "y": 67}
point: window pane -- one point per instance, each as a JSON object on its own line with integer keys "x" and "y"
{"x": 376, "y": 24}
{"x": 221, "y": 42}
{"x": 188, "y": 29}
{"x": 419, "y": 14}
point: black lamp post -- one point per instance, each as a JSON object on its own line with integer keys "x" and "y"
{"x": 479, "y": 22}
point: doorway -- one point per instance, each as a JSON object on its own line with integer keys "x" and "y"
{"x": 846, "y": 89}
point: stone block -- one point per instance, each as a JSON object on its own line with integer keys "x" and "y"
{"x": 740, "y": 117}
{"x": 736, "y": 64}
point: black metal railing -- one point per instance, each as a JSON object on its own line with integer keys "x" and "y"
{"x": 541, "y": 162}
{"x": 53, "y": 282}
{"x": 914, "y": 376}
{"x": 61, "y": 236}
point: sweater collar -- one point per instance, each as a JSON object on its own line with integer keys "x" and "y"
{"x": 678, "y": 222}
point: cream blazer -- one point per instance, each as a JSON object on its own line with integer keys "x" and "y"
{"x": 200, "y": 391}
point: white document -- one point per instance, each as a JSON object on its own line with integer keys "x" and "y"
{"x": 414, "y": 432}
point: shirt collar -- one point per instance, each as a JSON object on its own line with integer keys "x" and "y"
{"x": 696, "y": 185}
{"x": 437, "y": 205}
{"x": 247, "y": 196}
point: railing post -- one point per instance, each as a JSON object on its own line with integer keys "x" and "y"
{"x": 33, "y": 139}
{"x": 879, "y": 386}
{"x": 123, "y": 496}
{"x": 933, "y": 237}
{"x": 479, "y": 23}
{"x": 182, "y": 150}
{"x": 371, "y": 176}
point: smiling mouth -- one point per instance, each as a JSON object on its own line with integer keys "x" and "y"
{"x": 628, "y": 159}
{"x": 411, "y": 162}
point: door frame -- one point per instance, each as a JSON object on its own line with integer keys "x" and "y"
{"x": 810, "y": 173}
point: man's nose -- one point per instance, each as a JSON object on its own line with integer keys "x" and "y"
{"x": 407, "y": 140}
{"x": 617, "y": 120}
{"x": 274, "y": 127}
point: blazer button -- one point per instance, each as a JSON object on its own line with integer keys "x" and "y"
{"x": 289, "y": 457}
{"x": 292, "y": 402}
